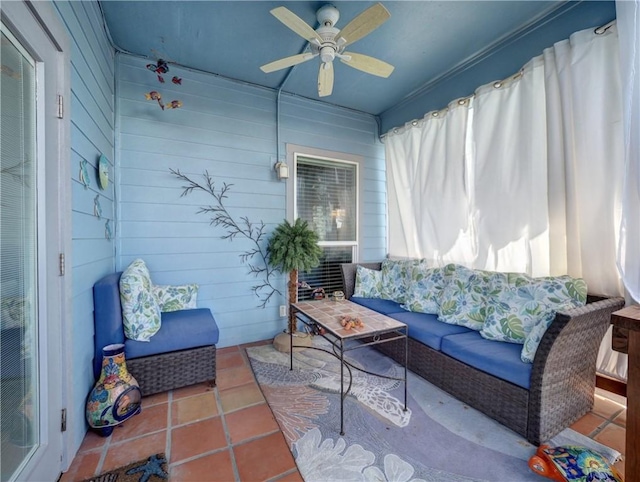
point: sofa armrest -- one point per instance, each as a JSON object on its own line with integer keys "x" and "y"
{"x": 564, "y": 368}
{"x": 107, "y": 317}
{"x": 348, "y": 271}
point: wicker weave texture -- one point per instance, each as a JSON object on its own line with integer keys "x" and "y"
{"x": 167, "y": 371}
{"x": 348, "y": 271}
{"x": 564, "y": 369}
{"x": 562, "y": 379}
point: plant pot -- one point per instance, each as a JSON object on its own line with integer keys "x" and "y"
{"x": 282, "y": 343}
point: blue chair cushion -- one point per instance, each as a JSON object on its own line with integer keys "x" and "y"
{"x": 179, "y": 330}
{"x": 496, "y": 358}
{"x": 426, "y": 328}
{"x": 377, "y": 304}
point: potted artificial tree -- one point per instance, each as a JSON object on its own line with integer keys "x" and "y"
{"x": 291, "y": 248}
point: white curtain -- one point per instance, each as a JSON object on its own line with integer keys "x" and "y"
{"x": 585, "y": 151}
{"x": 510, "y": 174}
{"x": 628, "y": 14}
{"x": 427, "y": 188}
{"x": 545, "y": 166}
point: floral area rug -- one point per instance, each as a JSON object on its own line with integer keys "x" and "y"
{"x": 151, "y": 469}
{"x": 437, "y": 439}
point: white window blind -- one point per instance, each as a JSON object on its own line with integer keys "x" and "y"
{"x": 18, "y": 255}
{"x": 327, "y": 198}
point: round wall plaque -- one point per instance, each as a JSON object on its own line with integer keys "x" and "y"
{"x": 103, "y": 172}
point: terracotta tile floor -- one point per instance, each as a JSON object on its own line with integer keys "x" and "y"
{"x": 228, "y": 433}
{"x": 224, "y": 433}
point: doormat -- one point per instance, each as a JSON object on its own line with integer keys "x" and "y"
{"x": 438, "y": 438}
{"x": 151, "y": 469}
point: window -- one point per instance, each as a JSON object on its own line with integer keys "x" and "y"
{"x": 326, "y": 196}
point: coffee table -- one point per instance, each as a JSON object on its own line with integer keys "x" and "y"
{"x": 377, "y": 328}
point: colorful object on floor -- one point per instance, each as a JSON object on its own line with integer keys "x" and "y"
{"x": 116, "y": 395}
{"x": 160, "y": 67}
{"x": 176, "y": 80}
{"x": 155, "y": 95}
{"x": 572, "y": 463}
{"x": 439, "y": 438}
{"x": 148, "y": 470}
{"x": 174, "y": 104}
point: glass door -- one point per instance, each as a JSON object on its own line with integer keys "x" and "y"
{"x": 18, "y": 257}
{"x": 32, "y": 181}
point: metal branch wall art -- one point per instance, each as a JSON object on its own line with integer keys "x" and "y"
{"x": 242, "y": 228}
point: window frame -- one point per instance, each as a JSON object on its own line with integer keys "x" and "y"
{"x": 296, "y": 151}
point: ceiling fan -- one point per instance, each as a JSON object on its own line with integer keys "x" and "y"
{"x": 328, "y": 42}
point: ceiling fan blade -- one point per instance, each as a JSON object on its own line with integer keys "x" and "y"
{"x": 325, "y": 79}
{"x": 365, "y": 23}
{"x": 286, "y": 62}
{"x": 367, "y": 64}
{"x": 295, "y": 23}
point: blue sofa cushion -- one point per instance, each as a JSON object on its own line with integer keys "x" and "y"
{"x": 381, "y": 306}
{"x": 179, "y": 330}
{"x": 496, "y": 358}
{"x": 426, "y": 328}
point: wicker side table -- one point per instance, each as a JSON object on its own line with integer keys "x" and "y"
{"x": 629, "y": 319}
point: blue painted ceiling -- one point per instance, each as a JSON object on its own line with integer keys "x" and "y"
{"x": 424, "y": 40}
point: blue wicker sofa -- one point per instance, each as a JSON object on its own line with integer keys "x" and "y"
{"x": 181, "y": 353}
{"x": 536, "y": 400}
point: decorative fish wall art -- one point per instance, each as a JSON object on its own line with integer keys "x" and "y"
{"x": 84, "y": 174}
{"x": 162, "y": 67}
{"x": 97, "y": 209}
{"x": 155, "y": 95}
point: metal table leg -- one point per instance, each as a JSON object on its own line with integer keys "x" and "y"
{"x": 406, "y": 361}
{"x": 341, "y": 387}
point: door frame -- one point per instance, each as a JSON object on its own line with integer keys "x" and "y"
{"x": 39, "y": 29}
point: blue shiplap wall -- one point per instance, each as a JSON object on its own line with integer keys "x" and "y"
{"x": 229, "y": 129}
{"x": 92, "y": 134}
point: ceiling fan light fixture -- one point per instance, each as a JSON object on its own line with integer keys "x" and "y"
{"x": 327, "y": 54}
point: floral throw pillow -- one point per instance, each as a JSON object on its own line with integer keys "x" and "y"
{"x": 526, "y": 302}
{"x": 368, "y": 283}
{"x": 396, "y": 278}
{"x": 140, "y": 308}
{"x": 426, "y": 287}
{"x": 523, "y": 306}
{"x": 466, "y": 299}
{"x": 174, "y": 298}
{"x": 574, "y": 292}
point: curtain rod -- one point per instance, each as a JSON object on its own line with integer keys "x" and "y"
{"x": 462, "y": 100}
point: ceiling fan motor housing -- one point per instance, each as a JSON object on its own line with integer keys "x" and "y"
{"x": 327, "y": 15}
{"x": 328, "y": 48}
